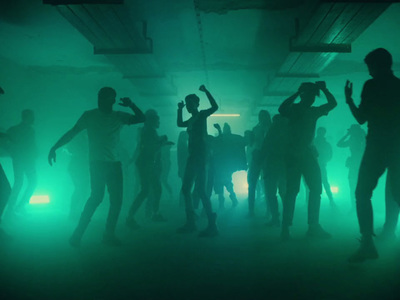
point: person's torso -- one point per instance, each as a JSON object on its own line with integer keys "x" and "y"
{"x": 103, "y": 131}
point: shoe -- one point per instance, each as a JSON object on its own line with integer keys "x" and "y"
{"x": 367, "y": 250}
{"x": 317, "y": 232}
{"x": 189, "y": 227}
{"x": 211, "y": 229}
{"x": 131, "y": 223}
{"x": 75, "y": 241}
{"x": 111, "y": 240}
{"x": 285, "y": 234}
{"x": 273, "y": 223}
{"x": 158, "y": 218}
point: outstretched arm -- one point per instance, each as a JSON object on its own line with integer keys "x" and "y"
{"x": 285, "y": 106}
{"x": 214, "y": 105}
{"x": 356, "y": 112}
{"x": 65, "y": 139}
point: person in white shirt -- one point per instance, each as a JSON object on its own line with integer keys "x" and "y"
{"x": 103, "y": 127}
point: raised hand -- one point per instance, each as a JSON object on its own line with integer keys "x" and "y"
{"x": 348, "y": 90}
{"x": 52, "y": 156}
{"x": 181, "y": 105}
{"x": 203, "y": 88}
{"x": 125, "y": 101}
{"x": 217, "y": 126}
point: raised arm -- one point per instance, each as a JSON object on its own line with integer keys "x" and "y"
{"x": 343, "y": 142}
{"x": 356, "y": 112}
{"x": 285, "y": 106}
{"x": 213, "y": 103}
{"x": 138, "y": 116}
{"x": 179, "y": 120}
{"x": 332, "y": 103}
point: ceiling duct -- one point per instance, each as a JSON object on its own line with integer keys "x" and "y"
{"x": 124, "y": 41}
{"x": 331, "y": 29}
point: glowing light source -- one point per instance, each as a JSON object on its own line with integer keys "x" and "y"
{"x": 334, "y": 189}
{"x": 39, "y": 199}
{"x": 225, "y": 115}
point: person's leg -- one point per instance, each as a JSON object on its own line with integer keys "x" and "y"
{"x": 144, "y": 175}
{"x": 18, "y": 182}
{"x": 187, "y": 185}
{"x": 156, "y": 189}
{"x": 97, "y": 184}
{"x": 292, "y": 189}
{"x": 271, "y": 178}
{"x": 391, "y": 211}
{"x": 372, "y": 167}
{"x": 230, "y": 188}
{"x": 31, "y": 176}
{"x": 325, "y": 183}
{"x": 114, "y": 181}
{"x": 252, "y": 179}
{"x": 211, "y": 229}
{"x": 5, "y": 191}
{"x": 312, "y": 176}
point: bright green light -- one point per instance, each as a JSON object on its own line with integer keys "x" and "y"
{"x": 334, "y": 189}
{"x": 225, "y": 115}
{"x": 39, "y": 199}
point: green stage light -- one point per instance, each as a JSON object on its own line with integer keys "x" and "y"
{"x": 39, "y": 199}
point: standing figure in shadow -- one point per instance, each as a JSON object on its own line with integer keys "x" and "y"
{"x": 195, "y": 170}
{"x": 148, "y": 164}
{"x": 354, "y": 139}
{"x": 324, "y": 150}
{"x": 253, "y": 174}
{"x": 273, "y": 164}
{"x": 301, "y": 155}
{"x": 380, "y": 107}
{"x": 229, "y": 157}
{"x": 5, "y": 189}
{"x": 23, "y": 153}
{"x": 103, "y": 126}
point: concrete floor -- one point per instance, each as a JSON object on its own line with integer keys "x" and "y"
{"x": 247, "y": 260}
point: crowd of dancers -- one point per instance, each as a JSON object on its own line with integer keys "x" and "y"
{"x": 280, "y": 150}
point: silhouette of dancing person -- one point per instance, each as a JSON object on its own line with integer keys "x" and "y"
{"x": 324, "y": 150}
{"x": 354, "y": 139}
{"x": 259, "y": 132}
{"x": 148, "y": 163}
{"x": 103, "y": 126}
{"x": 272, "y": 160}
{"x": 5, "y": 189}
{"x": 195, "y": 170}
{"x": 23, "y": 152}
{"x": 380, "y": 108}
{"x": 301, "y": 156}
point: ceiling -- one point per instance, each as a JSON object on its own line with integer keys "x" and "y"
{"x": 239, "y": 49}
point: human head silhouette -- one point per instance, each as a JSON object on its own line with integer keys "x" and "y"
{"x": 106, "y": 99}
{"x": 192, "y": 102}
{"x": 379, "y": 62}
{"x": 227, "y": 129}
{"x": 308, "y": 92}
